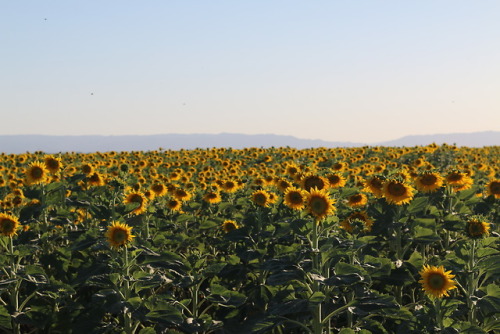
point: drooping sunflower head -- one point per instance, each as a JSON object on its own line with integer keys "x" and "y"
{"x": 397, "y": 192}
{"x": 119, "y": 234}
{"x": 493, "y": 188}
{"x": 428, "y": 182}
{"x": 36, "y": 173}
{"x": 295, "y": 198}
{"x": 319, "y": 204}
{"x": 229, "y": 225}
{"x": 436, "y": 282}
{"x": 477, "y": 228}
{"x": 53, "y": 164}
{"x": 261, "y": 198}
{"x": 350, "y": 223}
{"x": 8, "y": 225}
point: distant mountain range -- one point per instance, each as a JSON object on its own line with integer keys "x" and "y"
{"x": 91, "y": 143}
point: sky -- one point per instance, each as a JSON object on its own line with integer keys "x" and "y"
{"x": 359, "y": 71}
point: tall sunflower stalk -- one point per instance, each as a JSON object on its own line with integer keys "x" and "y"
{"x": 119, "y": 236}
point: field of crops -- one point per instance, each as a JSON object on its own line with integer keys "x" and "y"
{"x": 342, "y": 240}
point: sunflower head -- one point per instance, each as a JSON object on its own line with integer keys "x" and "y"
{"x": 8, "y": 225}
{"x": 310, "y": 181}
{"x": 319, "y": 204}
{"x": 397, "y": 192}
{"x": 493, "y": 188}
{"x": 295, "y": 198}
{"x": 436, "y": 282}
{"x": 477, "y": 228}
{"x": 375, "y": 185}
{"x": 261, "y": 198}
{"x": 357, "y": 221}
{"x": 138, "y": 198}
{"x": 119, "y": 234}
{"x": 52, "y": 163}
{"x": 428, "y": 182}
{"x": 336, "y": 180}
{"x": 357, "y": 200}
{"x": 229, "y": 225}
{"x": 95, "y": 179}
{"x": 174, "y": 204}
{"x": 212, "y": 197}
{"x": 36, "y": 173}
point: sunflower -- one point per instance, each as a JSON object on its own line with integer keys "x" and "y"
{"x": 436, "y": 282}
{"x": 182, "y": 195}
{"x": 212, "y": 197}
{"x": 52, "y": 163}
{"x": 119, "y": 234}
{"x": 138, "y": 197}
{"x": 174, "y": 204}
{"x": 397, "y": 192}
{"x": 428, "y": 182}
{"x": 229, "y": 225}
{"x": 310, "y": 181}
{"x": 230, "y": 186}
{"x": 95, "y": 179}
{"x": 357, "y": 200}
{"x": 282, "y": 184}
{"x": 362, "y": 216}
{"x": 261, "y": 198}
{"x": 36, "y": 173}
{"x": 8, "y": 225}
{"x": 336, "y": 180}
{"x": 477, "y": 228}
{"x": 319, "y": 204}
{"x": 295, "y": 198}
{"x": 459, "y": 181}
{"x": 158, "y": 189}
{"x": 375, "y": 185}
{"x": 87, "y": 169}
{"x": 493, "y": 188}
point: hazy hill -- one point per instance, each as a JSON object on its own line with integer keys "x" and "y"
{"x": 54, "y": 144}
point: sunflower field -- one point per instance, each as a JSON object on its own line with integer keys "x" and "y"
{"x": 278, "y": 240}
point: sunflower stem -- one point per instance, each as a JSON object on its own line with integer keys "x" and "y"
{"x": 471, "y": 283}
{"x": 126, "y": 292}
{"x": 14, "y": 295}
{"x": 317, "y": 324}
{"x": 438, "y": 312}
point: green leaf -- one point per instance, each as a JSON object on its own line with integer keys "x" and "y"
{"x": 5, "y": 319}
{"x": 208, "y": 224}
{"x": 225, "y": 297}
{"x": 425, "y": 235}
{"x": 147, "y": 330}
{"x": 317, "y": 297}
{"x": 165, "y": 314}
{"x": 416, "y": 260}
{"x": 417, "y": 205}
{"x": 347, "y": 331}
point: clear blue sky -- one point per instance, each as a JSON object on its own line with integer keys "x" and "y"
{"x": 335, "y": 70}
